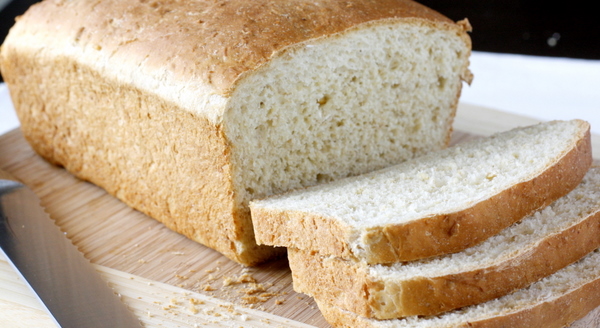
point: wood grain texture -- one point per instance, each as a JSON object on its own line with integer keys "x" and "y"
{"x": 19, "y": 307}
{"x": 112, "y": 235}
{"x": 157, "y": 271}
{"x": 155, "y": 304}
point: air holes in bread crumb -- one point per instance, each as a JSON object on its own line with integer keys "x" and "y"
{"x": 490, "y": 176}
{"x": 323, "y": 100}
{"x": 323, "y": 178}
{"x": 441, "y": 82}
{"x": 79, "y": 33}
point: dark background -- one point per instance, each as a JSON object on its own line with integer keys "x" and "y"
{"x": 531, "y": 27}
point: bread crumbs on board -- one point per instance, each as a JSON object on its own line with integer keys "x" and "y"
{"x": 241, "y": 287}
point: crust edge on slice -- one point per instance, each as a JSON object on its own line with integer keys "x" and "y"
{"x": 432, "y": 236}
{"x": 349, "y": 285}
{"x": 553, "y": 309}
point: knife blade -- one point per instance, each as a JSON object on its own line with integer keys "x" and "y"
{"x": 70, "y": 288}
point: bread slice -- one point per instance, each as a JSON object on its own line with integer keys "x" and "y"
{"x": 553, "y": 302}
{"x": 439, "y": 203}
{"x": 527, "y": 251}
{"x": 187, "y": 110}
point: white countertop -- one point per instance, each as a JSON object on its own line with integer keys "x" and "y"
{"x": 539, "y": 87}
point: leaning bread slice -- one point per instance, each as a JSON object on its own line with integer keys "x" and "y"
{"x": 439, "y": 203}
{"x": 555, "y": 301}
{"x": 527, "y": 251}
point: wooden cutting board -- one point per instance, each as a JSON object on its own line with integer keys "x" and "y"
{"x": 166, "y": 279}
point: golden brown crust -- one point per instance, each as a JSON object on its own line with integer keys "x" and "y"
{"x": 221, "y": 39}
{"x": 136, "y": 146}
{"x": 299, "y": 230}
{"x": 344, "y": 283}
{"x": 557, "y": 313}
{"x": 436, "y": 235}
{"x": 348, "y": 285}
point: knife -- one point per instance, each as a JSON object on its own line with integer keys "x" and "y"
{"x": 64, "y": 280}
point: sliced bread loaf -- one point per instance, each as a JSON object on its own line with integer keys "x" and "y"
{"x": 439, "y": 203}
{"x": 527, "y": 251}
{"x": 187, "y": 110}
{"x": 553, "y": 302}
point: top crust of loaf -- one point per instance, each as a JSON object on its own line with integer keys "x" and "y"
{"x": 195, "y": 52}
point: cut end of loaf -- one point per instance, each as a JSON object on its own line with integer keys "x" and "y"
{"x": 347, "y": 104}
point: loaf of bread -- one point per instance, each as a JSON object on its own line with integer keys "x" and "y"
{"x": 520, "y": 255}
{"x": 436, "y": 204}
{"x": 553, "y": 302}
{"x": 187, "y": 110}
